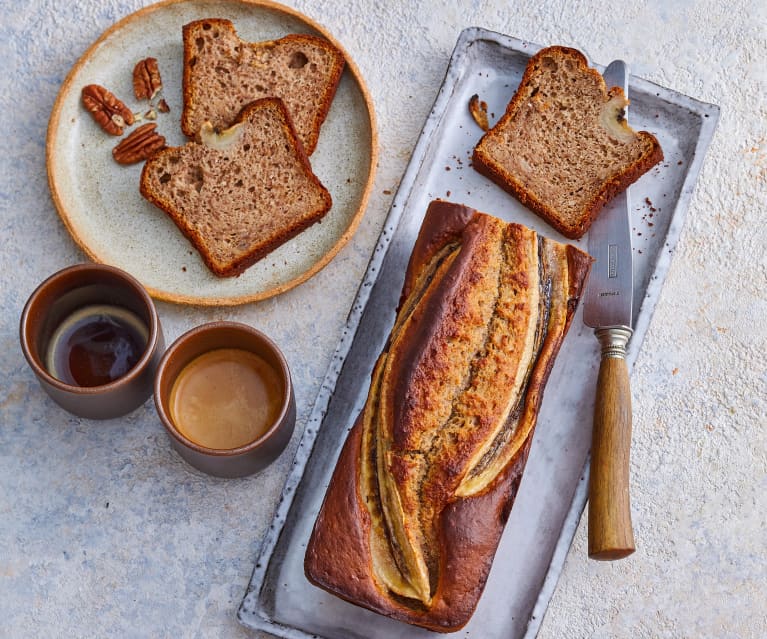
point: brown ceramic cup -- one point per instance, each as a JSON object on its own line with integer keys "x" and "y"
{"x": 63, "y": 294}
{"x": 254, "y": 456}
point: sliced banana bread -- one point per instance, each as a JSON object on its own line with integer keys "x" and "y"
{"x": 563, "y": 146}
{"x": 239, "y": 194}
{"x": 223, "y": 73}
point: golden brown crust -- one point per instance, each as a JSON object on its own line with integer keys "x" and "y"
{"x": 443, "y": 224}
{"x": 468, "y": 524}
{"x": 191, "y": 100}
{"x": 470, "y": 531}
{"x": 629, "y": 173}
{"x": 247, "y": 258}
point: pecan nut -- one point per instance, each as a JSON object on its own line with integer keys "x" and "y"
{"x": 139, "y": 145}
{"x": 146, "y": 79}
{"x": 110, "y": 113}
{"x": 478, "y": 110}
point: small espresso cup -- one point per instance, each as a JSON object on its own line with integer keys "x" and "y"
{"x": 92, "y": 336}
{"x": 224, "y": 393}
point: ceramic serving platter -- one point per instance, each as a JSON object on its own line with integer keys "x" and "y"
{"x": 99, "y": 201}
{"x": 553, "y": 490}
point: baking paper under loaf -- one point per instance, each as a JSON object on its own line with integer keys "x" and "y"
{"x": 427, "y": 477}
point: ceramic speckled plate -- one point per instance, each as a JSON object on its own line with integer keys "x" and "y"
{"x": 99, "y": 200}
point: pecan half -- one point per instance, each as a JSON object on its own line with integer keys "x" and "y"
{"x": 110, "y": 113}
{"x": 478, "y": 111}
{"x": 139, "y": 145}
{"x": 146, "y": 79}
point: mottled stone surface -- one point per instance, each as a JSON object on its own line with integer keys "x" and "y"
{"x": 105, "y": 532}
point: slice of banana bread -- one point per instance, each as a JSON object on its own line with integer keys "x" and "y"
{"x": 239, "y": 194}
{"x": 223, "y": 73}
{"x": 563, "y": 146}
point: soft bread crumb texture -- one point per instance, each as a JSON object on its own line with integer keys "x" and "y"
{"x": 223, "y": 73}
{"x": 237, "y": 204}
{"x": 563, "y": 147}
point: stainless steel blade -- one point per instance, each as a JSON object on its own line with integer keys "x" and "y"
{"x": 609, "y": 294}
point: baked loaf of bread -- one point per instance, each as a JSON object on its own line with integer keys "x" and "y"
{"x": 427, "y": 477}
{"x": 239, "y": 194}
{"x": 222, "y": 74}
{"x": 563, "y": 146}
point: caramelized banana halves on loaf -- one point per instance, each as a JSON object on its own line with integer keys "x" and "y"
{"x": 426, "y": 480}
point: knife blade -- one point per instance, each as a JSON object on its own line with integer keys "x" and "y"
{"x": 607, "y": 307}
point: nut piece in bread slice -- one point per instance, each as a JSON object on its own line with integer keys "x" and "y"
{"x": 223, "y": 73}
{"x": 563, "y": 146}
{"x": 241, "y": 193}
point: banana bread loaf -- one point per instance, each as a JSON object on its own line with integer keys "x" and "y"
{"x": 427, "y": 477}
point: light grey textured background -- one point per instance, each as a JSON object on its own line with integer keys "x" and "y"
{"x": 104, "y": 532}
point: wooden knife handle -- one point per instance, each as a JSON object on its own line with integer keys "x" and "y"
{"x": 610, "y": 532}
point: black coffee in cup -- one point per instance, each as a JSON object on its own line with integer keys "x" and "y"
{"x": 96, "y": 345}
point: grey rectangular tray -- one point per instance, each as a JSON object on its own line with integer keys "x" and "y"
{"x": 553, "y": 491}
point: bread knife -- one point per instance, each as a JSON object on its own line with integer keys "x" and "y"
{"x": 607, "y": 309}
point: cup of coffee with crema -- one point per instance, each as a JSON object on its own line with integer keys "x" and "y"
{"x": 225, "y": 396}
{"x": 92, "y": 336}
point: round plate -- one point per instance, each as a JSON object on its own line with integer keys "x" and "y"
{"x": 99, "y": 200}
